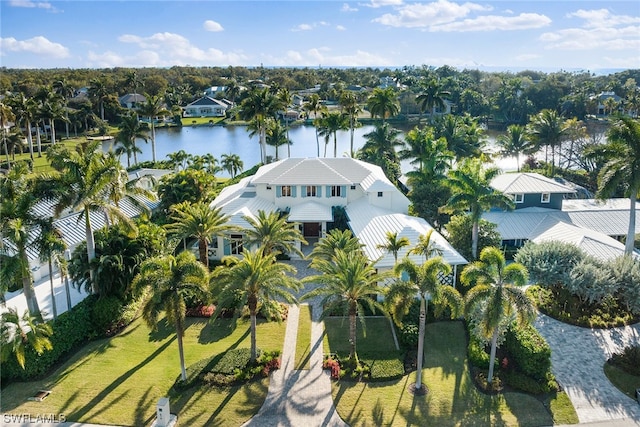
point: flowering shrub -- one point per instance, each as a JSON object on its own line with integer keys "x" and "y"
{"x": 201, "y": 311}
{"x": 269, "y": 361}
{"x": 334, "y": 366}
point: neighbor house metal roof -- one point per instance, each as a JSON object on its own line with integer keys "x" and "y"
{"x": 525, "y": 183}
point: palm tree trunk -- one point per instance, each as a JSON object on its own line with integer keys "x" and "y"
{"x": 317, "y": 140}
{"x": 38, "y": 140}
{"x": 135, "y": 155}
{"x": 52, "y": 123}
{"x": 335, "y": 144}
{"x": 421, "y": 328}
{"x": 492, "y": 356}
{"x": 352, "y": 127}
{"x": 30, "y": 139}
{"x": 153, "y": 140}
{"x": 202, "y": 249}
{"x": 252, "y": 303}
{"x": 179, "y": 333}
{"x": 631, "y": 234}
{"x": 352, "y": 333}
{"x": 91, "y": 249}
{"x": 53, "y": 294}
{"x": 474, "y": 239}
{"x": 263, "y": 145}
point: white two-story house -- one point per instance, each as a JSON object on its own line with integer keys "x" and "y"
{"x": 308, "y": 190}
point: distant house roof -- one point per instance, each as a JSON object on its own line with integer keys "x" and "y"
{"x": 132, "y": 97}
{"x": 371, "y": 224}
{"x": 207, "y": 100}
{"x": 526, "y": 183}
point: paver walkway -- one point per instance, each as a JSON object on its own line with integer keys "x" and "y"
{"x": 577, "y": 357}
{"x": 299, "y": 397}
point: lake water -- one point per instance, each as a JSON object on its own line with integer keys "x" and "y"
{"x": 219, "y": 140}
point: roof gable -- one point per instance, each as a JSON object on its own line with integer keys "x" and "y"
{"x": 527, "y": 183}
{"x": 206, "y": 100}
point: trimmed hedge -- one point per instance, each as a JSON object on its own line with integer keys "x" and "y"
{"x": 477, "y": 356}
{"x": 386, "y": 369}
{"x": 529, "y": 351}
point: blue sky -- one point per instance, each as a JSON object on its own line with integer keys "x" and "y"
{"x": 511, "y": 35}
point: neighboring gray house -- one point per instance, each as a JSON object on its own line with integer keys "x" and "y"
{"x": 132, "y": 101}
{"x": 207, "y": 107}
{"x": 532, "y": 189}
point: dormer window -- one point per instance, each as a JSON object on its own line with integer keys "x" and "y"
{"x": 518, "y": 198}
{"x": 380, "y": 194}
{"x": 545, "y": 198}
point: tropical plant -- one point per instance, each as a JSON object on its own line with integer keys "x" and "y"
{"x": 336, "y": 240}
{"x": 255, "y": 278}
{"x": 348, "y": 282}
{"x": 623, "y": 169}
{"x": 17, "y": 333}
{"x": 200, "y": 221}
{"x": 496, "y": 299}
{"x": 548, "y": 129}
{"x": 515, "y": 142}
{"x": 232, "y": 164}
{"x": 433, "y": 96}
{"x": 313, "y": 105}
{"x": 383, "y": 103}
{"x": 329, "y": 124}
{"x": 470, "y": 184}
{"x": 257, "y": 106}
{"x": 170, "y": 279}
{"x": 276, "y": 135}
{"x": 98, "y": 90}
{"x": 24, "y": 110}
{"x": 380, "y": 149}
{"x": 273, "y": 233}
{"x": 350, "y": 107}
{"x": 393, "y": 244}
{"x": 130, "y": 129}
{"x": 425, "y": 281}
{"x": 152, "y": 108}
{"x": 6, "y": 117}
{"x": 51, "y": 248}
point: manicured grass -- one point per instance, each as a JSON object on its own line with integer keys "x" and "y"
{"x": 198, "y": 121}
{"x": 303, "y": 343}
{"x": 372, "y": 340}
{"x": 452, "y": 399}
{"x": 119, "y": 380}
{"x": 625, "y": 382}
{"x": 562, "y": 409}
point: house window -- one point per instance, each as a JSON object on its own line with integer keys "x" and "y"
{"x": 336, "y": 191}
{"x": 268, "y": 187}
{"x": 235, "y": 242}
{"x": 545, "y": 198}
{"x": 353, "y": 187}
{"x": 311, "y": 191}
{"x": 286, "y": 191}
{"x": 518, "y": 198}
{"x": 379, "y": 193}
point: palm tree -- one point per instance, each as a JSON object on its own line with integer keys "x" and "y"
{"x": 276, "y": 135}
{"x": 423, "y": 280}
{"x": 130, "y": 129}
{"x": 496, "y": 297}
{"x": 200, "y": 221}
{"x": 6, "y": 117}
{"x": 86, "y": 183}
{"x": 232, "y": 164}
{"x": 336, "y": 240}
{"x": 254, "y": 278}
{"x": 51, "y": 248}
{"x": 313, "y": 105}
{"x": 23, "y": 108}
{"x": 393, "y": 245}
{"x": 348, "y": 282}
{"x": 170, "y": 279}
{"x": 350, "y": 107}
{"x": 153, "y": 108}
{"x": 623, "y": 169}
{"x": 547, "y": 128}
{"x": 432, "y": 97}
{"x": 380, "y": 149}
{"x": 98, "y": 90}
{"x": 64, "y": 89}
{"x": 284, "y": 97}
{"x": 426, "y": 247}
{"x": 329, "y": 124}
{"x": 472, "y": 193}
{"x": 17, "y": 333}
{"x": 383, "y": 103}
{"x": 515, "y": 142}
{"x": 257, "y": 106}
{"x": 273, "y": 233}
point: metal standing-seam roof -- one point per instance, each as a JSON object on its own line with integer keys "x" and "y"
{"x": 526, "y": 183}
{"x": 310, "y": 211}
{"x": 370, "y": 224}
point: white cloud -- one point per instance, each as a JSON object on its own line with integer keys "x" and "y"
{"x": 31, "y": 4}
{"x": 324, "y": 56}
{"x": 213, "y": 26}
{"x": 39, "y": 45}
{"x": 422, "y": 15}
{"x": 347, "y": 8}
{"x": 340, "y": 28}
{"x": 302, "y": 27}
{"x": 600, "y": 30}
{"x": 523, "y": 21}
{"x": 383, "y": 3}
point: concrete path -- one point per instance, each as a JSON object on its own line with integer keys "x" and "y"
{"x": 299, "y": 397}
{"x": 577, "y": 357}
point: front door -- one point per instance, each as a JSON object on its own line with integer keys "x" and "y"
{"x": 311, "y": 229}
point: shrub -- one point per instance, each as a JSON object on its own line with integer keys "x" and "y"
{"x": 477, "y": 356}
{"x": 386, "y": 369}
{"x": 523, "y": 382}
{"x": 549, "y": 263}
{"x": 333, "y": 365}
{"x": 409, "y": 335}
{"x": 205, "y": 311}
{"x": 106, "y": 315}
{"x": 628, "y": 360}
{"x": 529, "y": 351}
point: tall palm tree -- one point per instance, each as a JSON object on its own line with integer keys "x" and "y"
{"x": 623, "y": 169}
{"x": 336, "y": 240}
{"x": 383, "y": 103}
{"x": 17, "y": 333}
{"x": 85, "y": 184}
{"x": 393, "y": 244}
{"x": 433, "y": 96}
{"x": 152, "y": 108}
{"x": 99, "y": 91}
{"x": 273, "y": 233}
{"x": 179, "y": 159}
{"x": 423, "y": 280}
{"x": 380, "y": 149}
{"x": 51, "y": 248}
{"x": 313, "y": 105}
{"x": 496, "y": 297}
{"x": 285, "y": 98}
{"x": 131, "y": 129}
{"x": 547, "y": 128}
{"x": 66, "y": 91}
{"x": 170, "y": 279}
{"x": 232, "y": 163}
{"x": 24, "y": 108}
{"x": 515, "y": 142}
{"x": 200, "y": 221}
{"x": 7, "y": 119}
{"x": 257, "y": 106}
{"x": 426, "y": 247}
{"x": 350, "y": 107}
{"x": 329, "y": 124}
{"x": 470, "y": 184}
{"x": 254, "y": 278}
{"x": 349, "y": 281}
{"x": 277, "y": 135}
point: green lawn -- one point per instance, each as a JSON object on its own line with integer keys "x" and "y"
{"x": 303, "y": 342}
{"x": 119, "y": 380}
{"x": 452, "y": 398}
{"x": 626, "y": 383}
